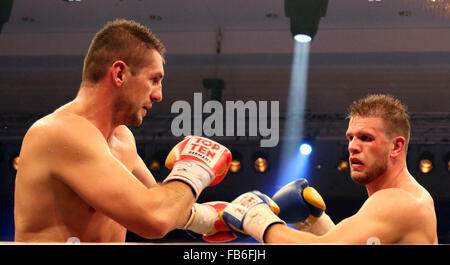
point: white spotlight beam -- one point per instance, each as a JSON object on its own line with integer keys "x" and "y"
{"x": 290, "y": 166}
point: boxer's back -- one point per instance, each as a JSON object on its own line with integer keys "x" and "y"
{"x": 425, "y": 204}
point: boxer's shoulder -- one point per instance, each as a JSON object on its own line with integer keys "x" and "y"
{"x": 66, "y": 121}
{"x": 63, "y": 129}
{"x": 394, "y": 197}
{"x": 411, "y": 196}
{"x": 399, "y": 207}
{"x": 406, "y": 211}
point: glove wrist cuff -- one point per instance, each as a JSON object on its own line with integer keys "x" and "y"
{"x": 202, "y": 219}
{"x": 319, "y": 227}
{"x": 190, "y": 220}
{"x": 192, "y": 174}
{"x": 258, "y": 219}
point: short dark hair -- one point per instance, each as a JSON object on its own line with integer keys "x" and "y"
{"x": 120, "y": 39}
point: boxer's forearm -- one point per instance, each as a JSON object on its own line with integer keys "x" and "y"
{"x": 166, "y": 207}
{"x": 283, "y": 234}
{"x": 178, "y": 202}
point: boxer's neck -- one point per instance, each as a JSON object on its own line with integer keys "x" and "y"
{"x": 394, "y": 177}
{"x": 96, "y": 105}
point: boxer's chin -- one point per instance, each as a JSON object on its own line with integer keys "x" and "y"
{"x": 134, "y": 120}
{"x": 360, "y": 177}
{"x": 367, "y": 176}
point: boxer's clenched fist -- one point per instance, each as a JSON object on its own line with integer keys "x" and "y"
{"x": 199, "y": 162}
{"x": 303, "y": 206}
{"x": 251, "y": 214}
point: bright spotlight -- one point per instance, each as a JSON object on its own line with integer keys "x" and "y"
{"x": 235, "y": 166}
{"x": 305, "y": 15}
{"x": 302, "y": 38}
{"x": 236, "y": 163}
{"x": 425, "y": 166}
{"x": 294, "y": 164}
{"x": 343, "y": 166}
{"x": 426, "y": 162}
{"x": 154, "y": 165}
{"x": 156, "y": 161}
{"x": 261, "y": 162}
{"x": 305, "y": 149}
{"x": 447, "y": 161}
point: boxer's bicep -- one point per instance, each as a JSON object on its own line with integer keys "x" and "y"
{"x": 84, "y": 163}
{"x": 358, "y": 229}
{"x": 386, "y": 217}
{"x": 383, "y": 219}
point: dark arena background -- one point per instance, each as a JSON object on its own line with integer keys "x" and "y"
{"x": 244, "y": 51}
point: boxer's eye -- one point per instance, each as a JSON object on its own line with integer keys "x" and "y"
{"x": 366, "y": 138}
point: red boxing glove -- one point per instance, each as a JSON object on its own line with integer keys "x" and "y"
{"x": 198, "y": 161}
{"x": 221, "y": 231}
{"x": 205, "y": 220}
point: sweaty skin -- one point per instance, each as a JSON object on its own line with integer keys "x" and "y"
{"x": 80, "y": 174}
{"x": 398, "y": 211}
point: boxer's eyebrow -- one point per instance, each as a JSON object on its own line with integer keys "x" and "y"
{"x": 158, "y": 76}
{"x": 359, "y": 134}
{"x": 348, "y": 135}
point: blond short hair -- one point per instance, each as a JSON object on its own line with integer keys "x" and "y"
{"x": 391, "y": 110}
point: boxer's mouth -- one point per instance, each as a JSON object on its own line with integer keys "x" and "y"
{"x": 356, "y": 161}
{"x": 146, "y": 108}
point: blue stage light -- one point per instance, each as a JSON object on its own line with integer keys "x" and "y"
{"x": 305, "y": 149}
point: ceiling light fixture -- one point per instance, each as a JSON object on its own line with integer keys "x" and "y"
{"x": 5, "y": 12}
{"x": 305, "y": 15}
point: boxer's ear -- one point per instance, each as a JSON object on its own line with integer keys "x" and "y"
{"x": 117, "y": 71}
{"x": 398, "y": 145}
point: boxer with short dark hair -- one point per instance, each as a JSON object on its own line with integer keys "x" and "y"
{"x": 398, "y": 210}
{"x": 80, "y": 175}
